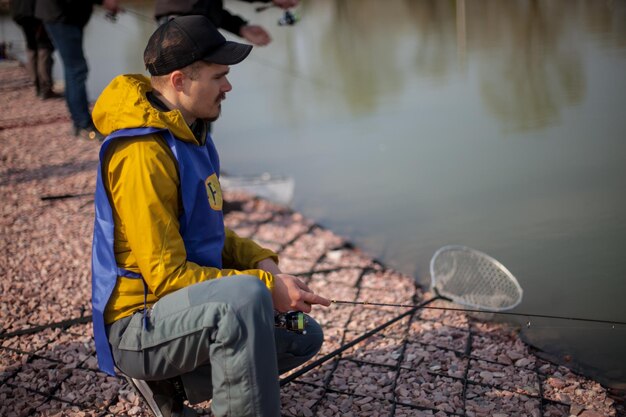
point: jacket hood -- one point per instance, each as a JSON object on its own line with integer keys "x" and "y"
{"x": 123, "y": 105}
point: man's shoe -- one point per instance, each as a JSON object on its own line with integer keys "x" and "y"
{"x": 164, "y": 398}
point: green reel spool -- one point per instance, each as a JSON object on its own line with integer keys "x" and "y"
{"x": 294, "y": 321}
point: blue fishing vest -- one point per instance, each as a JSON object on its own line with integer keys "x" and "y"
{"x": 201, "y": 224}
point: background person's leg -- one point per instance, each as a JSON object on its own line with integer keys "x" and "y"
{"x": 31, "y": 68}
{"x": 45, "y": 48}
{"x": 29, "y": 29}
{"x": 68, "y": 40}
{"x": 44, "y": 72}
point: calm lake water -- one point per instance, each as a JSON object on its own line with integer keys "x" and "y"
{"x": 409, "y": 125}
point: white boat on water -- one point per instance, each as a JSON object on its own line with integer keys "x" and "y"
{"x": 278, "y": 189}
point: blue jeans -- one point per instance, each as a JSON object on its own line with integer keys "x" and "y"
{"x": 68, "y": 40}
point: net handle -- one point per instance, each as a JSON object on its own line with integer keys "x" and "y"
{"x": 459, "y": 300}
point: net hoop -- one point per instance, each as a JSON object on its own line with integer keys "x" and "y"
{"x": 472, "y": 278}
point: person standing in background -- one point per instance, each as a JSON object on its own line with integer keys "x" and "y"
{"x": 64, "y": 21}
{"x": 39, "y": 47}
{"x": 220, "y": 17}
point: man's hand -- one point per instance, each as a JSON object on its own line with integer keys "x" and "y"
{"x": 255, "y": 34}
{"x": 291, "y": 294}
{"x": 285, "y": 4}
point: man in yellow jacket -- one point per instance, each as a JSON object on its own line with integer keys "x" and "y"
{"x": 183, "y": 306}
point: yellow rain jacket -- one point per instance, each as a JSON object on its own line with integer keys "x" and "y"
{"x": 141, "y": 179}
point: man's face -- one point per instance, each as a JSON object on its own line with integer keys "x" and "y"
{"x": 206, "y": 87}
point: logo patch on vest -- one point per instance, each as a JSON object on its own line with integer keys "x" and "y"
{"x": 214, "y": 192}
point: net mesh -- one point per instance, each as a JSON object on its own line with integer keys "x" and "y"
{"x": 471, "y": 278}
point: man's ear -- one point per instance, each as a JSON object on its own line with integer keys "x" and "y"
{"x": 177, "y": 80}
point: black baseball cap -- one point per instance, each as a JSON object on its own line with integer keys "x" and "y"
{"x": 187, "y": 39}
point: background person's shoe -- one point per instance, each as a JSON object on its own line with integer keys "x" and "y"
{"x": 162, "y": 397}
{"x": 46, "y": 95}
{"x": 89, "y": 133}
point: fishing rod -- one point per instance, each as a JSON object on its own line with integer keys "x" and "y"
{"x": 112, "y": 17}
{"x": 140, "y": 15}
{"x": 478, "y": 282}
{"x": 289, "y": 18}
{"x": 459, "y": 274}
{"x": 263, "y": 8}
{"x": 469, "y": 310}
{"x": 300, "y": 327}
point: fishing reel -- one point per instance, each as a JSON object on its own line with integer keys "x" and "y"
{"x": 111, "y": 17}
{"x": 294, "y": 321}
{"x": 288, "y": 19}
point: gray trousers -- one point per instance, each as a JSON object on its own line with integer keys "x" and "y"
{"x": 219, "y": 337}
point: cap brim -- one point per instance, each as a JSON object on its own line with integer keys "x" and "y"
{"x": 230, "y": 53}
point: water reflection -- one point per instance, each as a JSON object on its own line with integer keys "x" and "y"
{"x": 440, "y": 30}
{"x": 363, "y": 56}
{"x": 605, "y": 19}
{"x": 525, "y": 53}
{"x": 538, "y": 71}
{"x": 367, "y": 59}
{"x": 528, "y": 61}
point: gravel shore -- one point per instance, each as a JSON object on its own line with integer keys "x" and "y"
{"x": 429, "y": 363}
